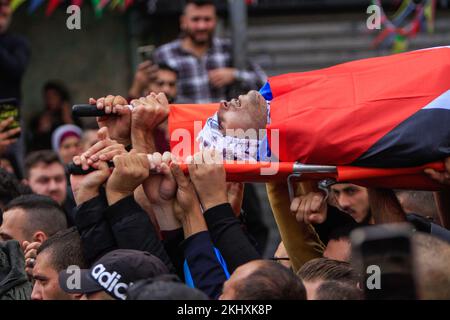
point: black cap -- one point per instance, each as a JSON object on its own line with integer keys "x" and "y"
{"x": 113, "y": 273}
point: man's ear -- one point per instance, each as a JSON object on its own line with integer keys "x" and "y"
{"x": 76, "y": 296}
{"x": 39, "y": 236}
{"x": 25, "y": 182}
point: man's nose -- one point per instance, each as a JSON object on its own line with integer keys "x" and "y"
{"x": 53, "y": 185}
{"x": 202, "y": 25}
{"x": 36, "y": 294}
{"x": 343, "y": 202}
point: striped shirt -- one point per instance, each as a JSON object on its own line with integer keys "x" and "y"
{"x": 193, "y": 83}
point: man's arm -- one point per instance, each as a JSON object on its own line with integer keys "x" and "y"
{"x": 131, "y": 226}
{"x": 300, "y": 239}
{"x": 96, "y": 235}
{"x": 202, "y": 267}
{"x": 226, "y": 230}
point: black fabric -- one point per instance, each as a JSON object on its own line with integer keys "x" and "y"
{"x": 171, "y": 241}
{"x": 408, "y": 141}
{"x": 251, "y": 206}
{"x": 228, "y": 236}
{"x": 124, "y": 225}
{"x": 335, "y": 219}
{"x": 205, "y": 269}
{"x": 133, "y": 229}
{"x": 14, "y": 284}
{"x": 14, "y": 57}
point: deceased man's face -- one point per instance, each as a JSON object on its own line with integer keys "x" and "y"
{"x": 248, "y": 111}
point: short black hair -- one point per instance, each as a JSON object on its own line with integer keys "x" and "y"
{"x": 44, "y": 213}
{"x": 271, "y": 281}
{"x": 163, "y": 287}
{"x": 337, "y": 290}
{"x": 65, "y": 249}
{"x": 59, "y": 87}
{"x": 164, "y": 66}
{"x": 200, "y": 3}
{"x": 328, "y": 269}
{"x": 41, "y": 156}
{"x": 10, "y": 187}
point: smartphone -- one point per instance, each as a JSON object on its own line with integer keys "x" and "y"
{"x": 145, "y": 53}
{"x": 10, "y": 108}
{"x": 383, "y": 256}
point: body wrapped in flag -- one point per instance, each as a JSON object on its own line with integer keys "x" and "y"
{"x": 384, "y": 112}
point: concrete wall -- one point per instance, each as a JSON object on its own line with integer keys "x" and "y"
{"x": 92, "y": 61}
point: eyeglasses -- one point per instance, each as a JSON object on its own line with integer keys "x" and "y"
{"x": 280, "y": 259}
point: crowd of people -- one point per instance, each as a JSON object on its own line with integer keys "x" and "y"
{"x": 137, "y": 227}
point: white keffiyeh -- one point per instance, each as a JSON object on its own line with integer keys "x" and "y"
{"x": 232, "y": 148}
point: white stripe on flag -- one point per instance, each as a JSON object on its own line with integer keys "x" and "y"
{"x": 441, "y": 102}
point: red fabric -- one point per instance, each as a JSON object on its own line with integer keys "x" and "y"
{"x": 183, "y": 117}
{"x": 333, "y": 115}
{"x": 183, "y": 127}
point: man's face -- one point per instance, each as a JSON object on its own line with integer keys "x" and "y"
{"x": 5, "y": 15}
{"x": 69, "y": 148}
{"x": 46, "y": 285}
{"x": 14, "y": 221}
{"x": 49, "y": 180}
{"x": 52, "y": 99}
{"x": 338, "y": 249}
{"x": 199, "y": 23}
{"x": 166, "y": 82}
{"x": 352, "y": 199}
{"x": 249, "y": 111}
{"x": 230, "y": 286}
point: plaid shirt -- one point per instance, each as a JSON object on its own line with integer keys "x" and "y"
{"x": 193, "y": 83}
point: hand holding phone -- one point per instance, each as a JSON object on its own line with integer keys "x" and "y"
{"x": 9, "y": 123}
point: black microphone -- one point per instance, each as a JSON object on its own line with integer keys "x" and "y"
{"x": 77, "y": 170}
{"x": 89, "y": 110}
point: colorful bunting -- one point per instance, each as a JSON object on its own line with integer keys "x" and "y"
{"x": 15, "y": 4}
{"x": 77, "y": 2}
{"x": 97, "y": 9}
{"x": 51, "y": 7}
{"x": 34, "y": 4}
{"x": 397, "y": 31}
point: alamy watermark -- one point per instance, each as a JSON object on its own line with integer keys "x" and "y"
{"x": 374, "y": 20}
{"x": 73, "y": 22}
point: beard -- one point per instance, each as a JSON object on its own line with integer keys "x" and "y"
{"x": 199, "y": 39}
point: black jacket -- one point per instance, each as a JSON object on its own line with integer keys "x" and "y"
{"x": 124, "y": 225}
{"x": 14, "y": 56}
{"x": 229, "y": 237}
{"x": 14, "y": 284}
{"x": 204, "y": 268}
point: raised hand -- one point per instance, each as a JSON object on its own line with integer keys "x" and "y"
{"x": 310, "y": 208}
{"x": 118, "y": 118}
